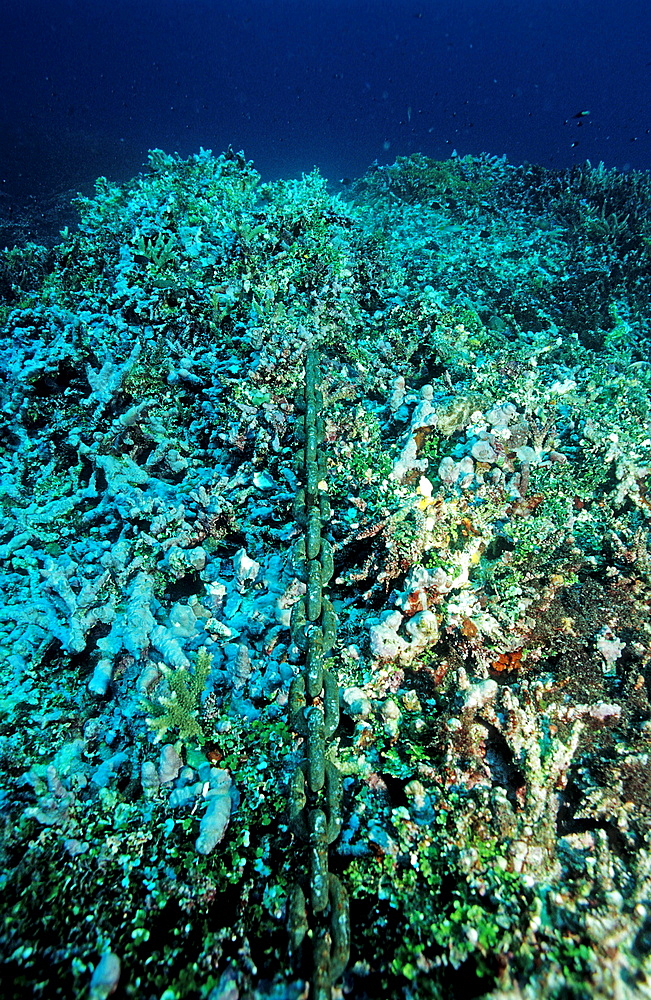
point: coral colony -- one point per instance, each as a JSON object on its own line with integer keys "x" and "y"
{"x": 483, "y": 333}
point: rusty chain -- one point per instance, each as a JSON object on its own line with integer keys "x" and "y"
{"x": 315, "y": 793}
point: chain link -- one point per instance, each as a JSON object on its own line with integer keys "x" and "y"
{"x": 315, "y": 793}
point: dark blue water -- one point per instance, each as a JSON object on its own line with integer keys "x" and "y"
{"x": 88, "y": 87}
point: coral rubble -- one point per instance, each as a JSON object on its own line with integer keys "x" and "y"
{"x": 484, "y": 337}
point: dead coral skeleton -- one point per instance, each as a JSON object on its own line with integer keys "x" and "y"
{"x": 542, "y": 736}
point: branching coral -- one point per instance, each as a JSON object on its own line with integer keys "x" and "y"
{"x": 179, "y": 709}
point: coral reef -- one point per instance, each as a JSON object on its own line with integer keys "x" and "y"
{"x": 486, "y": 379}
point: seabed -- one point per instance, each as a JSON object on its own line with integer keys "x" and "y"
{"x": 484, "y": 333}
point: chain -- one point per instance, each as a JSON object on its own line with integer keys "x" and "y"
{"x": 315, "y": 789}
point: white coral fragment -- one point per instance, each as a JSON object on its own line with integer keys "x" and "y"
{"x": 106, "y": 976}
{"x": 218, "y": 812}
{"x": 246, "y": 569}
